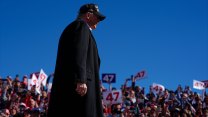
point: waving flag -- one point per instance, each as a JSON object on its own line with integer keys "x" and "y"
{"x": 157, "y": 87}
{"x": 198, "y": 85}
{"x": 32, "y": 81}
{"x": 140, "y": 75}
{"x": 42, "y": 77}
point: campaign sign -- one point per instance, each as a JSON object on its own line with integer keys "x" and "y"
{"x": 109, "y": 78}
{"x": 112, "y": 97}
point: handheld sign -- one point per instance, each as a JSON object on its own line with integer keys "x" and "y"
{"x": 109, "y": 78}
{"x": 112, "y": 97}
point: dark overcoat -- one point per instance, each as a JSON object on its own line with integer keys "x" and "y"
{"x": 77, "y": 61}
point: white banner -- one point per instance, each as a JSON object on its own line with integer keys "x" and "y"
{"x": 198, "y": 85}
{"x": 112, "y": 97}
{"x": 157, "y": 87}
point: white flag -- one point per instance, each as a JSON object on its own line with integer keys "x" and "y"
{"x": 42, "y": 78}
{"x": 32, "y": 81}
{"x": 198, "y": 85}
{"x": 157, "y": 87}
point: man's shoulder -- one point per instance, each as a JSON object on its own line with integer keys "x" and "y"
{"x": 76, "y": 24}
{"x": 79, "y": 22}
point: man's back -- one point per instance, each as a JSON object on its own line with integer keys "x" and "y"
{"x": 76, "y": 76}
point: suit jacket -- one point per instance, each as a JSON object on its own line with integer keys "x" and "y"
{"x": 77, "y": 61}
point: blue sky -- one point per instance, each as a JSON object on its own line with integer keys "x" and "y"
{"x": 166, "y": 38}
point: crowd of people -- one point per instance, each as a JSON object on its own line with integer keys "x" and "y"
{"x": 179, "y": 102}
{"x": 17, "y": 101}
